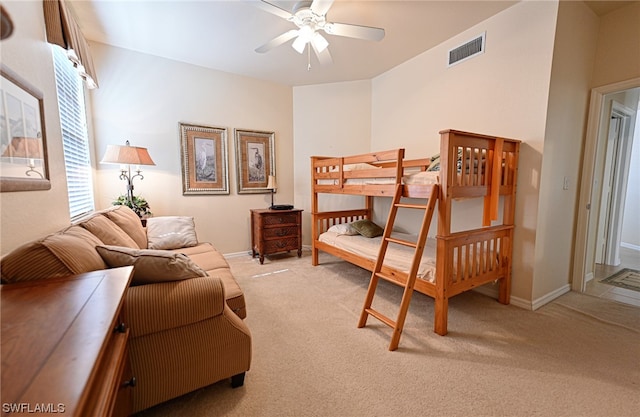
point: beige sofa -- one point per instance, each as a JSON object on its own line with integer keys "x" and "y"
{"x": 184, "y": 307}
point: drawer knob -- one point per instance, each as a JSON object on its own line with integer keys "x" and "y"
{"x": 130, "y": 383}
{"x": 121, "y": 328}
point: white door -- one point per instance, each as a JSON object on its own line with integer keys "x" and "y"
{"x": 608, "y": 178}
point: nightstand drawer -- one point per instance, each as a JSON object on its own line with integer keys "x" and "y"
{"x": 280, "y": 232}
{"x": 279, "y": 219}
{"x": 273, "y": 246}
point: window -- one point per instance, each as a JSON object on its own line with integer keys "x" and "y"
{"x": 75, "y": 140}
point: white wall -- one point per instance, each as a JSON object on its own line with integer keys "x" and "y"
{"x": 574, "y": 53}
{"x": 618, "y": 52}
{"x": 142, "y": 98}
{"x": 27, "y": 215}
{"x": 617, "y": 60}
{"x": 502, "y": 92}
{"x": 329, "y": 120}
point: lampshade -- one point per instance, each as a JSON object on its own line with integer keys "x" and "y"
{"x": 271, "y": 182}
{"x": 130, "y": 155}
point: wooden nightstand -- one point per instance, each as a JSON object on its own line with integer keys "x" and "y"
{"x": 274, "y": 231}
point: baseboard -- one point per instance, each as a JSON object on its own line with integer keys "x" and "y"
{"x": 588, "y": 277}
{"x": 236, "y": 254}
{"x": 539, "y": 302}
{"x": 630, "y": 246}
{"x": 491, "y": 290}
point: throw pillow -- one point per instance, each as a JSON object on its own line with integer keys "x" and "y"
{"x": 151, "y": 266}
{"x": 367, "y": 228}
{"x": 171, "y": 232}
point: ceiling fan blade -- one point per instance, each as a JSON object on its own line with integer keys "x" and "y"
{"x": 321, "y": 7}
{"x": 277, "y": 41}
{"x": 272, "y": 8}
{"x": 324, "y": 56}
{"x": 366, "y": 33}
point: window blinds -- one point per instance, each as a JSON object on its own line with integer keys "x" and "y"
{"x": 73, "y": 122}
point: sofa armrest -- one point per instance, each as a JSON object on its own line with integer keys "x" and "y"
{"x": 153, "y": 308}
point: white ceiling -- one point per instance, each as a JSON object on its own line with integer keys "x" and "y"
{"x": 223, "y": 34}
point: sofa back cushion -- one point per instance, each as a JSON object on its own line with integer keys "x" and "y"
{"x": 128, "y": 221}
{"x": 67, "y": 252}
{"x": 108, "y": 232}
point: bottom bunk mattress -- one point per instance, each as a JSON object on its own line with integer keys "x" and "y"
{"x": 398, "y": 257}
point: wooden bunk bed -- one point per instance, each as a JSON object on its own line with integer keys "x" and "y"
{"x": 470, "y": 166}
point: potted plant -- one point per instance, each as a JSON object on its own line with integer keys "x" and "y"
{"x": 138, "y": 204}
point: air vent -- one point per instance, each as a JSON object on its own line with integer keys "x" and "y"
{"x": 467, "y": 50}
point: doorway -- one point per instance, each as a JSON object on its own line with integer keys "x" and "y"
{"x": 602, "y": 232}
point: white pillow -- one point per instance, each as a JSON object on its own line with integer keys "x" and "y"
{"x": 343, "y": 229}
{"x": 171, "y": 232}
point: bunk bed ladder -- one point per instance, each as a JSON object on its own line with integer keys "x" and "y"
{"x": 410, "y": 278}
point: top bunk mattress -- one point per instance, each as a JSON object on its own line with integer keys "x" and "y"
{"x": 398, "y": 257}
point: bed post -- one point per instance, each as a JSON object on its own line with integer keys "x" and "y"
{"x": 447, "y": 174}
{"x": 511, "y": 179}
{"x": 314, "y": 211}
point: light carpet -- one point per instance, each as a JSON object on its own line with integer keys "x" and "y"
{"x": 577, "y": 356}
{"x": 625, "y": 278}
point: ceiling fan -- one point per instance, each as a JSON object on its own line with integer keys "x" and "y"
{"x": 310, "y": 18}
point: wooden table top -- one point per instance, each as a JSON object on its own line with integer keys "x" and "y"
{"x": 54, "y": 332}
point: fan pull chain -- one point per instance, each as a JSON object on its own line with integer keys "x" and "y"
{"x": 308, "y": 58}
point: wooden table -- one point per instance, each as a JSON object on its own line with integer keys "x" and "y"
{"x": 64, "y": 346}
{"x": 274, "y": 231}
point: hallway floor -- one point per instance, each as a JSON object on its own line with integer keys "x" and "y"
{"x": 630, "y": 259}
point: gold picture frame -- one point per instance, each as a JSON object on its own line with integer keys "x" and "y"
{"x": 255, "y": 160}
{"x": 23, "y": 148}
{"x": 204, "y": 159}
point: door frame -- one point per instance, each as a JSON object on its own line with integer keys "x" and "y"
{"x": 585, "y": 202}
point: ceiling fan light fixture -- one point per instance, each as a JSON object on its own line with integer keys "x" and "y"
{"x": 319, "y": 42}
{"x": 299, "y": 44}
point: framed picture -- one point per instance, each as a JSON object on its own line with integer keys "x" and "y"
{"x": 204, "y": 159}
{"x": 255, "y": 160}
{"x": 23, "y": 148}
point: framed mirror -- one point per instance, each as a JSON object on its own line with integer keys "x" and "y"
{"x": 23, "y": 147}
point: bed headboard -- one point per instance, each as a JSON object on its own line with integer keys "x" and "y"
{"x": 475, "y": 165}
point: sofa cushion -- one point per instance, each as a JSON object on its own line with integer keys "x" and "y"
{"x": 128, "y": 221}
{"x": 171, "y": 232}
{"x": 151, "y": 266}
{"x": 67, "y": 252}
{"x": 108, "y": 232}
{"x": 212, "y": 261}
